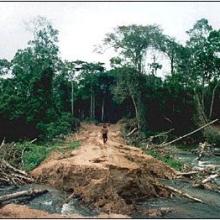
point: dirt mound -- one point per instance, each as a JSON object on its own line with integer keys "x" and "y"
{"x": 110, "y": 177}
{"x": 23, "y": 211}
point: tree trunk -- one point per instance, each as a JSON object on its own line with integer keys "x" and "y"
{"x": 103, "y": 108}
{"x": 182, "y": 193}
{"x": 212, "y": 102}
{"x": 203, "y": 94}
{"x": 29, "y": 192}
{"x": 201, "y": 118}
{"x": 93, "y": 109}
{"x": 136, "y": 110}
{"x": 172, "y": 64}
{"x": 91, "y": 104}
{"x": 72, "y": 109}
{"x": 188, "y": 134}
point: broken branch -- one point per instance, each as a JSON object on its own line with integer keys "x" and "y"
{"x": 209, "y": 178}
{"x": 188, "y": 134}
{"x": 132, "y": 132}
{"x": 183, "y": 193}
{"x": 30, "y": 192}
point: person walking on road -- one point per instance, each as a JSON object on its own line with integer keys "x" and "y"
{"x": 104, "y": 132}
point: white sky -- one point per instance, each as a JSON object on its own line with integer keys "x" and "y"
{"x": 82, "y": 25}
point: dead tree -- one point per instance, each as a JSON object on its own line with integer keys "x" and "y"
{"x": 30, "y": 192}
{"x": 11, "y": 175}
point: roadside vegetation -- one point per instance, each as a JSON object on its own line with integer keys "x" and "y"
{"x": 27, "y": 156}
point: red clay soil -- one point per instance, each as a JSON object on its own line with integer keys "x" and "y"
{"x": 23, "y": 211}
{"x": 109, "y": 177}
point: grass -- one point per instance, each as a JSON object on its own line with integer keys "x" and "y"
{"x": 168, "y": 159}
{"x": 186, "y": 147}
{"x": 73, "y": 145}
{"x": 34, "y": 154}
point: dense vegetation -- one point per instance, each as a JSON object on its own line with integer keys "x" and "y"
{"x": 44, "y": 96}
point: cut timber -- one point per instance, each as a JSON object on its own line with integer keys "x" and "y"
{"x": 131, "y": 132}
{"x": 188, "y": 134}
{"x": 3, "y": 142}
{"x": 162, "y": 134}
{"x": 32, "y": 141}
{"x": 11, "y": 175}
{"x": 182, "y": 193}
{"x": 31, "y": 192}
{"x": 190, "y": 173}
{"x": 13, "y": 168}
{"x": 209, "y": 178}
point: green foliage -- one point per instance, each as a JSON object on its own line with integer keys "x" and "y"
{"x": 63, "y": 125}
{"x": 212, "y": 135}
{"x": 34, "y": 154}
{"x": 74, "y": 145}
{"x": 168, "y": 159}
{"x": 45, "y": 95}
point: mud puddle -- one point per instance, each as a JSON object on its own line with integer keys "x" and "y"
{"x": 52, "y": 202}
{"x": 184, "y": 208}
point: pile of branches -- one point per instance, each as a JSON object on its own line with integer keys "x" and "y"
{"x": 10, "y": 153}
{"x": 10, "y": 165}
{"x": 11, "y": 175}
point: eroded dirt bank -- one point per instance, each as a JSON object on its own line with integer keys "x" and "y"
{"x": 23, "y": 211}
{"x": 109, "y": 177}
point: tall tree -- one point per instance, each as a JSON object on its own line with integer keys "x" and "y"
{"x": 203, "y": 45}
{"x": 87, "y": 77}
{"x": 132, "y": 42}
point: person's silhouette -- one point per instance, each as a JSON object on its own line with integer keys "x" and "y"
{"x": 104, "y": 133}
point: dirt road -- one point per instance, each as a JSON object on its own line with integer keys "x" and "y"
{"x": 109, "y": 177}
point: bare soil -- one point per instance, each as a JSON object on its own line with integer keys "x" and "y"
{"x": 23, "y": 211}
{"x": 109, "y": 177}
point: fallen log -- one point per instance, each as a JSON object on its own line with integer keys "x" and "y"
{"x": 32, "y": 141}
{"x": 3, "y": 142}
{"x": 30, "y": 192}
{"x": 163, "y": 133}
{"x": 188, "y": 134}
{"x": 182, "y": 193}
{"x": 190, "y": 173}
{"x": 132, "y": 132}
{"x": 210, "y": 178}
{"x": 11, "y": 175}
{"x": 13, "y": 168}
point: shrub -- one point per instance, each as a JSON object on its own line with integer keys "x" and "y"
{"x": 63, "y": 126}
{"x": 32, "y": 154}
{"x": 169, "y": 160}
{"x": 212, "y": 135}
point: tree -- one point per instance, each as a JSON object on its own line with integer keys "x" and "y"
{"x": 87, "y": 78}
{"x": 203, "y": 45}
{"x": 31, "y": 86}
{"x": 4, "y": 67}
{"x": 154, "y": 66}
{"x": 132, "y": 43}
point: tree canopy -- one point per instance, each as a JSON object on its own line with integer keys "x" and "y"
{"x": 45, "y": 96}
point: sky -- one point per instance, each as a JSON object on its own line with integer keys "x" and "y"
{"x": 82, "y": 25}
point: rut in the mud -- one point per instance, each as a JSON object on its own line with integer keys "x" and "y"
{"x": 109, "y": 177}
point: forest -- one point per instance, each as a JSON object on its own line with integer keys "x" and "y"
{"x": 45, "y": 98}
